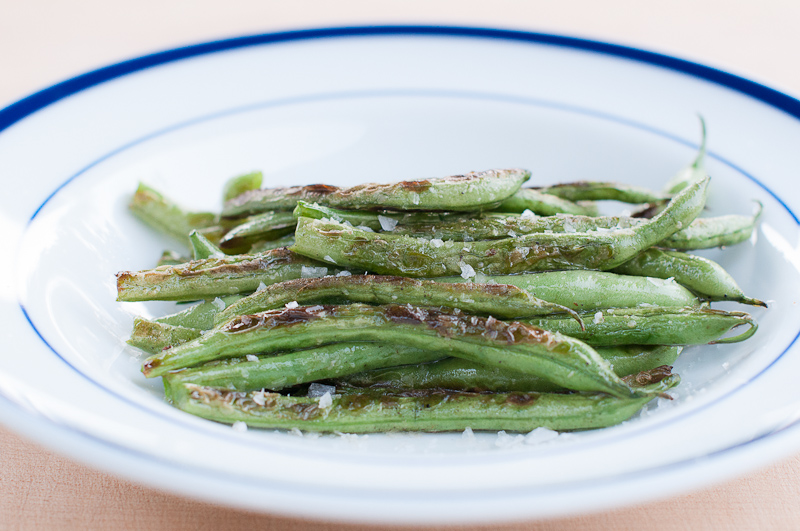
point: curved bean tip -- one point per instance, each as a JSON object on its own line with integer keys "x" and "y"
{"x": 747, "y": 334}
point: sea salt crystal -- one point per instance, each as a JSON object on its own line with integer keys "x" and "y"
{"x": 598, "y": 318}
{"x": 313, "y": 272}
{"x": 291, "y": 305}
{"x": 261, "y": 287}
{"x": 387, "y": 223}
{"x": 466, "y": 270}
{"x": 218, "y": 303}
{"x": 296, "y": 432}
{"x": 527, "y": 214}
{"x": 365, "y": 228}
{"x": 328, "y": 258}
{"x": 415, "y": 198}
{"x": 325, "y": 401}
{"x": 252, "y": 357}
{"x": 317, "y": 390}
{"x": 436, "y": 242}
{"x": 260, "y": 398}
{"x": 467, "y": 435}
{"x": 505, "y": 440}
{"x": 239, "y": 426}
{"x": 343, "y": 274}
{"x": 512, "y": 234}
{"x": 540, "y": 435}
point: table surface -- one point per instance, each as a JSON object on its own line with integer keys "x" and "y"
{"x": 45, "y": 41}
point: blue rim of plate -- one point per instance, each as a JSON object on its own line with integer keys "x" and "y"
{"x": 37, "y": 101}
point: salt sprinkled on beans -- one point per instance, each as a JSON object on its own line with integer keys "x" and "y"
{"x": 387, "y": 224}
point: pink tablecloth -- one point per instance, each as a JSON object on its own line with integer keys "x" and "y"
{"x": 43, "y": 41}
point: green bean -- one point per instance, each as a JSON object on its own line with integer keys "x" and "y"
{"x": 433, "y": 411}
{"x": 652, "y": 326}
{"x": 459, "y": 374}
{"x": 200, "y": 316}
{"x": 171, "y": 258}
{"x": 473, "y": 191}
{"x": 153, "y": 337}
{"x": 385, "y": 253}
{"x": 704, "y": 277}
{"x": 165, "y": 216}
{"x": 687, "y": 175}
{"x": 489, "y": 299}
{"x": 594, "y": 290}
{"x": 705, "y": 233}
{"x": 215, "y": 277}
{"x": 236, "y": 186}
{"x": 283, "y": 370}
{"x": 598, "y": 191}
{"x": 544, "y": 204}
{"x": 283, "y": 241}
{"x": 700, "y": 234}
{"x": 372, "y": 220}
{"x": 261, "y": 227}
{"x": 202, "y": 247}
{"x": 558, "y": 358}
{"x": 269, "y": 199}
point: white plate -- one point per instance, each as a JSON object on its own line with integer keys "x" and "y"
{"x": 350, "y": 105}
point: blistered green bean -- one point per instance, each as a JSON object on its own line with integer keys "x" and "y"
{"x": 434, "y": 411}
{"x": 561, "y": 359}
{"x": 463, "y": 375}
{"x": 487, "y": 299}
{"x": 384, "y": 253}
{"x": 653, "y": 326}
{"x": 215, "y": 277}
{"x": 704, "y": 277}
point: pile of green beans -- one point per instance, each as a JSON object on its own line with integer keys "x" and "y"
{"x": 433, "y": 305}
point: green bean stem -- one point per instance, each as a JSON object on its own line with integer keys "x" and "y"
{"x": 432, "y": 412}
{"x": 561, "y": 359}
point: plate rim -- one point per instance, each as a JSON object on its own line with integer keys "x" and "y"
{"x": 29, "y": 105}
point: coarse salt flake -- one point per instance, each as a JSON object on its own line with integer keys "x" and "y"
{"x": 252, "y": 357}
{"x": 540, "y": 435}
{"x": 218, "y": 303}
{"x": 387, "y": 223}
{"x": 291, "y": 305}
{"x": 598, "y": 318}
{"x": 313, "y": 272}
{"x": 466, "y": 270}
{"x": 261, "y": 286}
{"x": 325, "y": 401}
{"x": 343, "y": 274}
{"x": 239, "y": 426}
{"x": 527, "y": 214}
{"x": 436, "y": 242}
{"x": 468, "y": 435}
